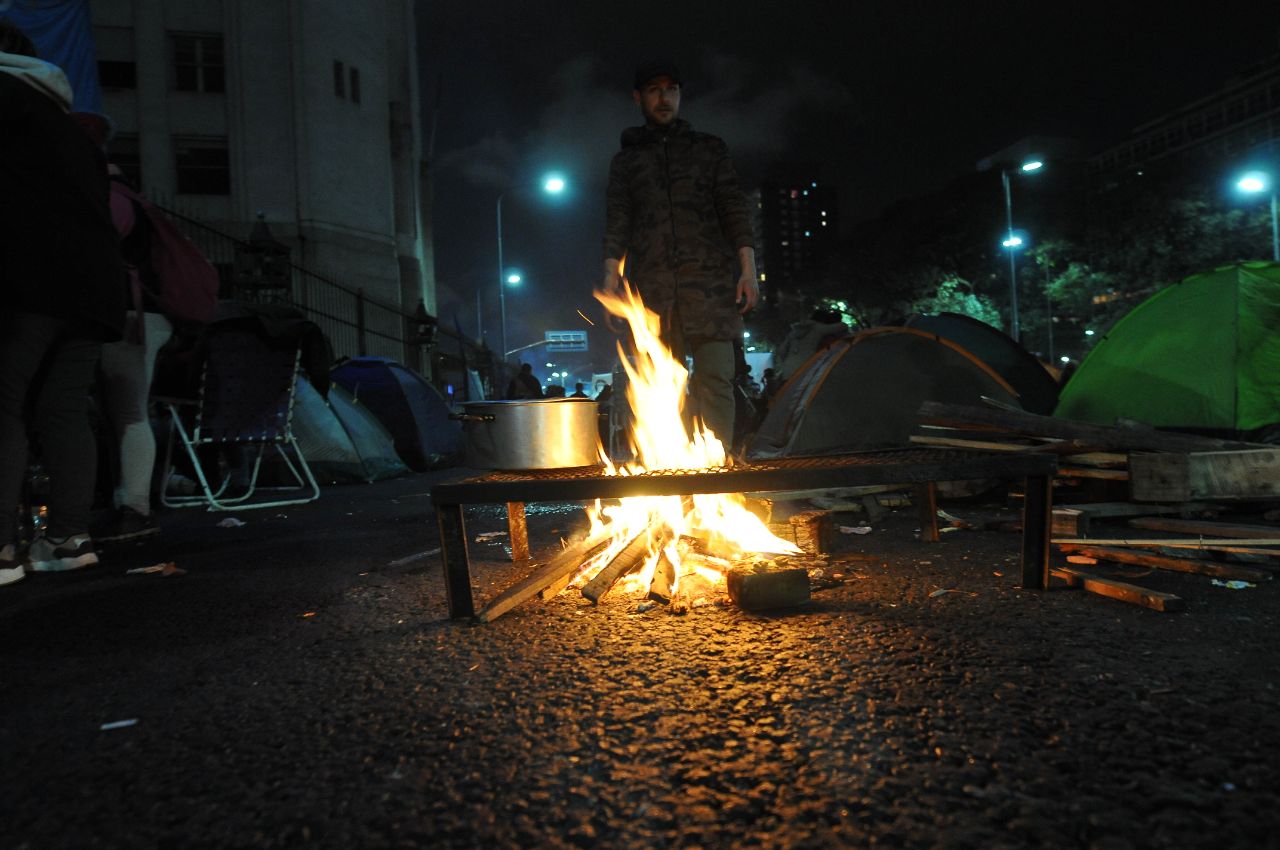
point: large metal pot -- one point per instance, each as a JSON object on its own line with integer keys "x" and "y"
{"x": 539, "y": 433}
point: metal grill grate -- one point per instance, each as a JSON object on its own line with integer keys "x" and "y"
{"x": 780, "y": 465}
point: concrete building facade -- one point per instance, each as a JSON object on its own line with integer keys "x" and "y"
{"x": 1232, "y": 124}
{"x": 302, "y": 113}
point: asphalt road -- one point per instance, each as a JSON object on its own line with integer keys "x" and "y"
{"x": 301, "y": 685}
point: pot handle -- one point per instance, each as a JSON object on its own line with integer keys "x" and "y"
{"x": 472, "y": 417}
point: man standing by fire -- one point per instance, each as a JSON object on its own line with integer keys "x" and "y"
{"x": 677, "y": 213}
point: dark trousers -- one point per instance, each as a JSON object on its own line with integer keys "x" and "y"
{"x": 47, "y": 370}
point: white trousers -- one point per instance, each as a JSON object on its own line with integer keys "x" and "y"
{"x": 126, "y": 386}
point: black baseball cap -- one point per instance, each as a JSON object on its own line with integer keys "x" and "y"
{"x": 650, "y": 70}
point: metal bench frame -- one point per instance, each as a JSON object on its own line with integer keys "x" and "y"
{"x": 920, "y": 467}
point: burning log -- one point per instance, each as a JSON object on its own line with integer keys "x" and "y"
{"x": 564, "y": 564}
{"x": 664, "y": 578}
{"x": 630, "y": 558}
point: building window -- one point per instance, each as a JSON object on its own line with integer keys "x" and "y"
{"x": 339, "y": 79}
{"x": 355, "y": 85}
{"x": 202, "y": 165}
{"x": 116, "y": 74}
{"x": 125, "y": 152}
{"x": 198, "y": 63}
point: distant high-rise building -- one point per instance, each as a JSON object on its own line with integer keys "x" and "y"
{"x": 798, "y": 230}
{"x": 300, "y": 111}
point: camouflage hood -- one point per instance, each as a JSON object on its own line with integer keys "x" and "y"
{"x": 677, "y": 213}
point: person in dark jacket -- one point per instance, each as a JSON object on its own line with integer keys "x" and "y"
{"x": 64, "y": 292}
{"x": 525, "y": 384}
{"x": 677, "y": 213}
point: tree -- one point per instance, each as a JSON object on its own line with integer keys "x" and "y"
{"x": 954, "y": 294}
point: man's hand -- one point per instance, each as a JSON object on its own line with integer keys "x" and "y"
{"x": 748, "y": 292}
{"x": 612, "y": 285}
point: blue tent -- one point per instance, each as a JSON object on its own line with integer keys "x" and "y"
{"x": 412, "y": 410}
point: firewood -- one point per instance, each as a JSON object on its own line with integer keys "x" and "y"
{"x": 1120, "y": 590}
{"x": 664, "y": 576}
{"x": 1163, "y": 562}
{"x": 630, "y": 558}
{"x": 566, "y": 563}
{"x": 661, "y": 589}
{"x": 762, "y": 591}
{"x": 1207, "y": 527}
{"x": 1103, "y": 437}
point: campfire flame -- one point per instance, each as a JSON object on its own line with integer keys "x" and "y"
{"x": 720, "y": 523}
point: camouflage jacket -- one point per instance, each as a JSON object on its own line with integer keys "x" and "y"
{"x": 677, "y": 212}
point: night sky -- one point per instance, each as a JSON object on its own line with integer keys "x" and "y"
{"x": 890, "y": 99}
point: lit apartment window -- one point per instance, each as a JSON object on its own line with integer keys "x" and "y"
{"x": 355, "y": 85}
{"x": 339, "y": 79}
{"x": 117, "y": 74}
{"x": 198, "y": 63}
{"x": 202, "y": 165}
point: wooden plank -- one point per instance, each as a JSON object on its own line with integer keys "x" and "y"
{"x": 1252, "y": 474}
{"x": 630, "y": 558}
{"x": 565, "y": 563}
{"x": 956, "y": 443}
{"x": 1075, "y": 520}
{"x": 518, "y": 531}
{"x": 1123, "y": 591}
{"x": 1164, "y": 562}
{"x": 1092, "y": 472}
{"x": 828, "y": 493}
{"x": 1100, "y": 459}
{"x": 1220, "y": 543}
{"x": 1207, "y": 527}
{"x": 1102, "y": 436}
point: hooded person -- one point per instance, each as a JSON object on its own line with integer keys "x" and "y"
{"x": 63, "y": 285}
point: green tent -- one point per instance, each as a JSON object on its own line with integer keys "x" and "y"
{"x": 1202, "y": 354}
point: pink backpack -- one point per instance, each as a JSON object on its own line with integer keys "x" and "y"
{"x": 188, "y": 283}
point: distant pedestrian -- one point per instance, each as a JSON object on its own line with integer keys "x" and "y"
{"x": 579, "y": 391}
{"x": 63, "y": 285}
{"x": 524, "y": 384}
{"x": 677, "y": 213}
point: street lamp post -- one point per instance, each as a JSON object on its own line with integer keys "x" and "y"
{"x": 1258, "y": 181}
{"x": 1012, "y": 242}
{"x": 551, "y": 185}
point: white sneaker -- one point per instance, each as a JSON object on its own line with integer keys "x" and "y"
{"x": 69, "y": 553}
{"x": 11, "y": 567}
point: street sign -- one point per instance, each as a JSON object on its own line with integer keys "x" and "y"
{"x": 566, "y": 340}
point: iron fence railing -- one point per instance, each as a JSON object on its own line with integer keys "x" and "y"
{"x": 355, "y": 322}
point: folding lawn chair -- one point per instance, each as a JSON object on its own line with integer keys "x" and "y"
{"x": 245, "y": 403}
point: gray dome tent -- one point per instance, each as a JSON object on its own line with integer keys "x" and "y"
{"x": 1037, "y": 389}
{"x": 864, "y": 392}
{"x": 341, "y": 439}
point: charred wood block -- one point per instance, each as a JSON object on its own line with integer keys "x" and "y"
{"x": 808, "y": 529}
{"x": 764, "y": 591}
{"x": 768, "y": 590}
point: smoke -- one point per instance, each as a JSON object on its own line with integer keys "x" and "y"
{"x": 578, "y": 128}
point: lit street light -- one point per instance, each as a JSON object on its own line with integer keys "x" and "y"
{"x": 1260, "y": 181}
{"x": 552, "y": 185}
{"x": 1013, "y": 242}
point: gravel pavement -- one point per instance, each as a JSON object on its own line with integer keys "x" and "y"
{"x": 301, "y": 686}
